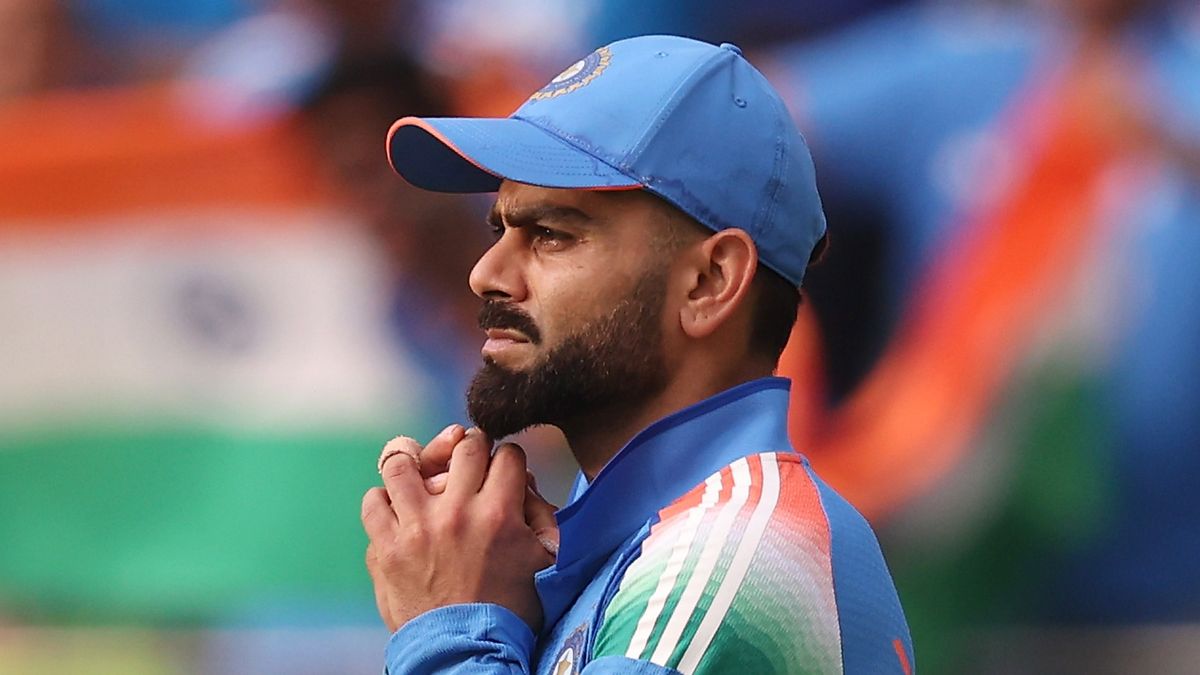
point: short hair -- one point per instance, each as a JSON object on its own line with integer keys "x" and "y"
{"x": 776, "y": 300}
{"x": 777, "y": 305}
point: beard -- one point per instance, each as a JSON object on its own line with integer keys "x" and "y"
{"x": 611, "y": 363}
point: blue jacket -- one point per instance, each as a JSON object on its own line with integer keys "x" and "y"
{"x": 707, "y": 545}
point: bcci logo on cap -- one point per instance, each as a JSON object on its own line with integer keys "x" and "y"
{"x": 578, "y": 75}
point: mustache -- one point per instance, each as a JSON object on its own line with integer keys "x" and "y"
{"x": 506, "y": 316}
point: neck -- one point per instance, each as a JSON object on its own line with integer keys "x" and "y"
{"x": 595, "y": 438}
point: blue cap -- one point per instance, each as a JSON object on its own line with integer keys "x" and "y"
{"x": 692, "y": 123}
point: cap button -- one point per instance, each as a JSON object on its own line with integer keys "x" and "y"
{"x": 732, "y": 47}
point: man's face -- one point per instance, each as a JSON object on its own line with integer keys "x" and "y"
{"x": 574, "y": 292}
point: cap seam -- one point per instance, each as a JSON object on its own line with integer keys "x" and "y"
{"x": 579, "y": 144}
{"x": 765, "y": 224}
{"x": 666, "y": 108}
{"x": 685, "y": 200}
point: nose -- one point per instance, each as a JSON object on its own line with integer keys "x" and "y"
{"x": 497, "y": 275}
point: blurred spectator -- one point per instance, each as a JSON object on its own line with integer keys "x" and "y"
{"x": 430, "y": 240}
{"x": 149, "y": 39}
{"x": 493, "y": 53}
{"x": 372, "y": 27}
{"x": 36, "y": 47}
{"x": 1027, "y": 177}
{"x": 749, "y": 23}
{"x": 259, "y": 68}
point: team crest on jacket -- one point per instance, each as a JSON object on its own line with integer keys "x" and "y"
{"x": 570, "y": 657}
{"x": 579, "y": 74}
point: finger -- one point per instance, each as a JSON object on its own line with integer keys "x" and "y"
{"x": 468, "y": 464}
{"x": 507, "y": 478}
{"x": 381, "y": 597}
{"x": 378, "y": 519}
{"x": 435, "y": 458}
{"x": 436, "y": 484}
{"x": 548, "y": 538}
{"x": 396, "y": 446}
{"x": 405, "y": 489}
{"x": 539, "y": 515}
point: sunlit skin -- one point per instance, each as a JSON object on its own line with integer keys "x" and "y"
{"x": 475, "y": 529}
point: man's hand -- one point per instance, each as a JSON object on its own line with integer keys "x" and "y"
{"x": 470, "y": 542}
{"x": 434, "y": 461}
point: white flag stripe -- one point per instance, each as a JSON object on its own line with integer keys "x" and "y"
{"x": 737, "y": 569}
{"x": 261, "y": 319}
{"x": 666, "y": 581}
{"x": 705, "y": 565}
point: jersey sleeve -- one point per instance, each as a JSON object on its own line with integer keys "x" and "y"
{"x": 463, "y": 639}
{"x": 735, "y": 577}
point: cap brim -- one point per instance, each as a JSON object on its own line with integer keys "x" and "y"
{"x": 463, "y": 154}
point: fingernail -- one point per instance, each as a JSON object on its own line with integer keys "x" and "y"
{"x": 549, "y": 544}
{"x": 450, "y": 431}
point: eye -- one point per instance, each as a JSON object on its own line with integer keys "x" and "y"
{"x": 497, "y": 230}
{"x": 547, "y": 239}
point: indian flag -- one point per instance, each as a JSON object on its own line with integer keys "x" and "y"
{"x": 195, "y": 369}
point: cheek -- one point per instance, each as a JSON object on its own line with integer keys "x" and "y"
{"x": 557, "y": 311}
{"x": 566, "y": 302}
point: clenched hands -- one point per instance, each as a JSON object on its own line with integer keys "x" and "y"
{"x": 455, "y": 524}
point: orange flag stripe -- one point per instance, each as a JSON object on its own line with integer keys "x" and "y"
{"x": 976, "y": 310}
{"x": 94, "y": 153}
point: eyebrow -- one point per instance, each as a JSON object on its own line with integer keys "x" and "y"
{"x": 535, "y": 214}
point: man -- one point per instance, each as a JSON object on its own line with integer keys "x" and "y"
{"x": 624, "y": 303}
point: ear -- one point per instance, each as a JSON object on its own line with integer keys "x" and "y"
{"x": 720, "y": 273}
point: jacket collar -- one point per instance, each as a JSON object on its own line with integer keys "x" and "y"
{"x": 659, "y": 465}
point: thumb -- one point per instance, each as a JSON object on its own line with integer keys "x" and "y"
{"x": 539, "y": 515}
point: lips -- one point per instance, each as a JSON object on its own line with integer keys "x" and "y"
{"x": 505, "y": 334}
{"x": 504, "y": 344}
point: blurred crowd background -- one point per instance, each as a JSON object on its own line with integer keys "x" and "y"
{"x": 217, "y": 303}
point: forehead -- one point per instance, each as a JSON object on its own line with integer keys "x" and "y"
{"x": 598, "y": 204}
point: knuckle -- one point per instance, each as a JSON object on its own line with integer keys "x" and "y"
{"x": 473, "y": 443}
{"x": 467, "y": 448}
{"x": 453, "y": 521}
{"x": 412, "y": 537}
{"x": 372, "y": 502}
{"x": 390, "y": 558}
{"x": 516, "y": 451}
{"x": 399, "y": 465}
{"x": 495, "y": 518}
{"x": 511, "y": 453}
